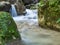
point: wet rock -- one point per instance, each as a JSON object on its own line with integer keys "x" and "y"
{"x": 20, "y": 8}
{"x": 5, "y": 6}
{"x": 8, "y": 28}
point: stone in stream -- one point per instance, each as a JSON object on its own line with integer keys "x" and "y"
{"x": 8, "y": 29}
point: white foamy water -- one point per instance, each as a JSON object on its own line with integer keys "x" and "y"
{"x": 30, "y": 16}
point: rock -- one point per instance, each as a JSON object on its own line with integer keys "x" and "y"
{"x": 12, "y": 1}
{"x": 19, "y": 6}
{"x": 30, "y": 2}
{"x": 8, "y": 29}
{"x": 5, "y": 6}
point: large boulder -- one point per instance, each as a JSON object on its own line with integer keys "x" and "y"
{"x": 5, "y": 6}
{"x": 8, "y": 29}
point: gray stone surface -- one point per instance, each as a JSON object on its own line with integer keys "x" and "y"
{"x": 5, "y": 6}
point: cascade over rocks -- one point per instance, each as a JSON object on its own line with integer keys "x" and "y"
{"x": 6, "y": 6}
{"x": 20, "y": 8}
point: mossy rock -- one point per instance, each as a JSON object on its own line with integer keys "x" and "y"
{"x": 8, "y": 28}
{"x": 49, "y": 13}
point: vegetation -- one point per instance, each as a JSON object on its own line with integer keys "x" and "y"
{"x": 50, "y": 11}
{"x": 34, "y": 6}
{"x": 8, "y": 29}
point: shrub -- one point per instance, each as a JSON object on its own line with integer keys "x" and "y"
{"x": 8, "y": 28}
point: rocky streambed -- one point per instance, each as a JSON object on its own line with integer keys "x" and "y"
{"x": 32, "y": 34}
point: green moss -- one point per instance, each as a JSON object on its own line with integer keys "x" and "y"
{"x": 50, "y": 10}
{"x": 8, "y": 28}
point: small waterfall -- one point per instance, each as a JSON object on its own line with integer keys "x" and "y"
{"x": 13, "y": 11}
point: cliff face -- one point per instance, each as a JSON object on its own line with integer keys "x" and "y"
{"x": 8, "y": 28}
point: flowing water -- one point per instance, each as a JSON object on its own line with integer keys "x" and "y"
{"x": 32, "y": 34}
{"x": 13, "y": 11}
